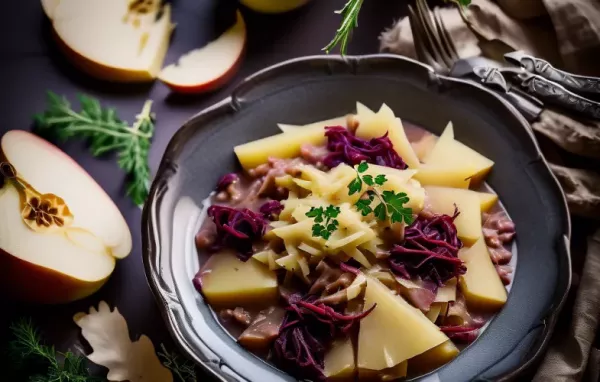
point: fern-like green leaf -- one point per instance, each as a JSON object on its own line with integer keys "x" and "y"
{"x": 105, "y": 133}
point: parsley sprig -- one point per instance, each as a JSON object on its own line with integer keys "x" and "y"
{"x": 390, "y": 203}
{"x": 33, "y": 361}
{"x": 325, "y": 222}
{"x": 105, "y": 133}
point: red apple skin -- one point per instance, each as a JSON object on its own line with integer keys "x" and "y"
{"x": 28, "y": 282}
{"x": 212, "y": 85}
{"x": 97, "y": 70}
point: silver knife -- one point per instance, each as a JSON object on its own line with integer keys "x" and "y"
{"x": 545, "y": 90}
{"x": 588, "y": 86}
{"x": 529, "y": 106}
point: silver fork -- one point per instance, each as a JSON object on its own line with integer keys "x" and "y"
{"x": 435, "y": 48}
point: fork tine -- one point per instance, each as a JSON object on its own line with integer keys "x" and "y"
{"x": 434, "y": 40}
{"x": 423, "y": 54}
{"x": 445, "y": 35}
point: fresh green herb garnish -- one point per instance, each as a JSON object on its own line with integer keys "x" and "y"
{"x": 325, "y": 222}
{"x": 36, "y": 362}
{"x": 350, "y": 21}
{"x": 105, "y": 133}
{"x": 391, "y": 203}
{"x": 181, "y": 367}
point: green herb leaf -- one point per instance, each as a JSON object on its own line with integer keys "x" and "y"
{"x": 332, "y": 212}
{"x": 182, "y": 368}
{"x": 395, "y": 203}
{"x": 380, "y": 212}
{"x": 362, "y": 167}
{"x": 37, "y": 362}
{"x": 349, "y": 21}
{"x": 380, "y": 179}
{"x": 317, "y": 229}
{"x": 363, "y": 206}
{"x": 355, "y": 186}
{"x": 105, "y": 133}
{"x": 368, "y": 179}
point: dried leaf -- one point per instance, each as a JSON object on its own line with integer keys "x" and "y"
{"x": 108, "y": 335}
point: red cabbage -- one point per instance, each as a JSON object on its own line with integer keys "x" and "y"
{"x": 226, "y": 180}
{"x": 347, "y": 148}
{"x": 271, "y": 209}
{"x": 307, "y": 329}
{"x": 237, "y": 229}
{"x": 462, "y": 334}
{"x": 429, "y": 250}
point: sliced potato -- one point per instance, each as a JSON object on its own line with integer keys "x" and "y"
{"x": 452, "y": 153}
{"x": 284, "y": 145}
{"x": 394, "y": 331}
{"x": 447, "y": 293}
{"x": 487, "y": 199}
{"x": 434, "y": 312}
{"x": 432, "y": 359}
{"x": 382, "y": 122}
{"x": 340, "y": 365}
{"x": 455, "y": 177}
{"x": 228, "y": 282}
{"x": 468, "y": 224}
{"x": 481, "y": 285}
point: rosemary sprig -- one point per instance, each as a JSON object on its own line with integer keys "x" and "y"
{"x": 349, "y": 22}
{"x": 105, "y": 133}
{"x": 181, "y": 367}
{"x": 37, "y": 362}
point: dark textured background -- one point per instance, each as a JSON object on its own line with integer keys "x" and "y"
{"x": 30, "y": 65}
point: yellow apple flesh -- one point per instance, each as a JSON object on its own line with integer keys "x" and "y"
{"x": 208, "y": 68}
{"x": 69, "y": 264}
{"x": 108, "y": 41}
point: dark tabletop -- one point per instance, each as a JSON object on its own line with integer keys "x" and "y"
{"x": 30, "y": 65}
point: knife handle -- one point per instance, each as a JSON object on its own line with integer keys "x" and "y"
{"x": 576, "y": 83}
{"x": 553, "y": 93}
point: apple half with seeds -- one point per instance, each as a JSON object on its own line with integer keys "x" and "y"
{"x": 60, "y": 233}
{"x": 210, "y": 67}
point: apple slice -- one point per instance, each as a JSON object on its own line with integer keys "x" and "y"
{"x": 49, "y": 6}
{"x": 67, "y": 261}
{"x": 209, "y": 67}
{"x": 115, "y": 40}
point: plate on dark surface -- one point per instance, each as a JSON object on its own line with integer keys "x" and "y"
{"x": 316, "y": 88}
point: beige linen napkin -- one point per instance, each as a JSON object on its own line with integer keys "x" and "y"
{"x": 567, "y": 34}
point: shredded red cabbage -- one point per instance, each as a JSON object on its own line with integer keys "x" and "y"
{"x": 226, "y": 180}
{"x": 307, "y": 329}
{"x": 271, "y": 209}
{"x": 347, "y": 148}
{"x": 463, "y": 334}
{"x": 429, "y": 250}
{"x": 237, "y": 229}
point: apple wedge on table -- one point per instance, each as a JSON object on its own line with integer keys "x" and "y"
{"x": 210, "y": 67}
{"x": 114, "y": 40}
{"x": 60, "y": 233}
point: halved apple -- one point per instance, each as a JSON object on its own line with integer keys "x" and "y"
{"x": 65, "y": 262}
{"x": 115, "y": 40}
{"x": 209, "y": 67}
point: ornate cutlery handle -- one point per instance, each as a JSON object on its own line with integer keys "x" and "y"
{"x": 573, "y": 82}
{"x": 545, "y": 90}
